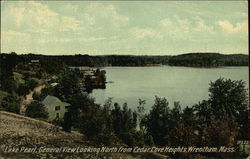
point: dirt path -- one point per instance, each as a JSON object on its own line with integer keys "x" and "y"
{"x": 28, "y": 98}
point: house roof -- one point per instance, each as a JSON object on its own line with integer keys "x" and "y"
{"x": 52, "y": 100}
{"x": 54, "y": 84}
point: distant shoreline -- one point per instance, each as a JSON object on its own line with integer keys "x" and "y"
{"x": 188, "y": 60}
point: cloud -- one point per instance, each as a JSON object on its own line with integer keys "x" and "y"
{"x": 68, "y": 23}
{"x": 37, "y": 16}
{"x": 229, "y": 27}
{"x": 105, "y": 15}
{"x": 166, "y": 22}
{"x": 142, "y": 32}
{"x": 202, "y": 26}
{"x": 12, "y": 40}
{"x": 17, "y": 17}
{"x": 177, "y": 25}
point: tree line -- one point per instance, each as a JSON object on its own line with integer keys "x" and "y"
{"x": 191, "y": 59}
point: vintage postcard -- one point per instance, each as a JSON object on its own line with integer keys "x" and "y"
{"x": 124, "y": 80}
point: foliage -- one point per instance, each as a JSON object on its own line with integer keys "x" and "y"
{"x": 186, "y": 130}
{"x": 124, "y": 123}
{"x": 141, "y": 114}
{"x": 67, "y": 122}
{"x": 7, "y": 64}
{"x": 80, "y": 103}
{"x": 10, "y": 103}
{"x": 68, "y": 85}
{"x": 123, "y": 119}
{"x": 219, "y": 121}
{"x": 29, "y": 85}
{"x": 96, "y": 81}
{"x": 102, "y": 123}
{"x": 230, "y": 99}
{"x": 48, "y": 90}
{"x": 221, "y": 132}
{"x": 8, "y": 84}
{"x": 58, "y": 65}
{"x": 23, "y": 89}
{"x": 157, "y": 121}
{"x": 36, "y": 110}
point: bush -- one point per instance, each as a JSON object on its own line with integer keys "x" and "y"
{"x": 36, "y": 110}
{"x": 31, "y": 83}
{"x": 11, "y": 104}
{"x": 24, "y": 88}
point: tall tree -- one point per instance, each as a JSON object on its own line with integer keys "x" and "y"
{"x": 230, "y": 99}
{"x": 157, "y": 121}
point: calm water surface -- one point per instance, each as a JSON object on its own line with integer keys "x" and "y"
{"x": 184, "y": 84}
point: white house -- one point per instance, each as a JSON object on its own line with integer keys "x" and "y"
{"x": 55, "y": 107}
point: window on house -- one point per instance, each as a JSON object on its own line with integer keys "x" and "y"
{"x": 57, "y": 115}
{"x": 57, "y": 108}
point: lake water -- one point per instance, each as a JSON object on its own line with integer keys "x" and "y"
{"x": 184, "y": 84}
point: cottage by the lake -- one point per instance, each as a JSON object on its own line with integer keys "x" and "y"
{"x": 55, "y": 107}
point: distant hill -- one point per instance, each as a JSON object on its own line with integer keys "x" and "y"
{"x": 209, "y": 60}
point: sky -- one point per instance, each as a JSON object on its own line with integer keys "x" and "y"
{"x": 124, "y": 27}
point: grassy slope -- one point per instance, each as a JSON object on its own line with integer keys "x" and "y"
{"x": 20, "y": 130}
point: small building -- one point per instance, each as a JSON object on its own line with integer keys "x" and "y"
{"x": 54, "y": 84}
{"x": 34, "y": 61}
{"x": 80, "y": 68}
{"x": 55, "y": 107}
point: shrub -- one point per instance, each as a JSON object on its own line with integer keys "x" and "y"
{"x": 36, "y": 110}
{"x": 11, "y": 104}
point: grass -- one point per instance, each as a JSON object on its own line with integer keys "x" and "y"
{"x": 20, "y": 130}
{"x": 24, "y": 131}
